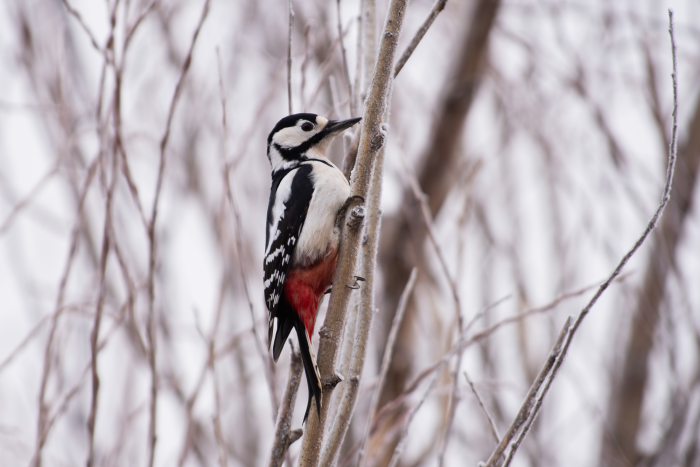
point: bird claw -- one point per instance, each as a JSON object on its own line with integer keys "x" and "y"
{"x": 355, "y": 285}
{"x": 340, "y": 216}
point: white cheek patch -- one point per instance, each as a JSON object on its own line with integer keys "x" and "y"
{"x": 294, "y": 136}
{"x": 321, "y": 122}
{"x": 290, "y": 137}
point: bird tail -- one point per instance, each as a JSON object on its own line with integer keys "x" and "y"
{"x": 285, "y": 323}
{"x": 308, "y": 357}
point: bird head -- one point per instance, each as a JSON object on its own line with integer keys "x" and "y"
{"x": 302, "y": 136}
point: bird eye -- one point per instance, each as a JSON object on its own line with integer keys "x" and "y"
{"x": 306, "y": 126}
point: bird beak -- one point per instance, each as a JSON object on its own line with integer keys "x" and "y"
{"x": 336, "y": 126}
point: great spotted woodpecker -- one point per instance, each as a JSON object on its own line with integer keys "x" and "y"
{"x": 301, "y": 242}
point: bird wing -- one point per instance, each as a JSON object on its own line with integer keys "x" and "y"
{"x": 290, "y": 197}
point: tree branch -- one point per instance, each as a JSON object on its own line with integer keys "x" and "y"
{"x": 372, "y": 141}
{"x": 533, "y": 402}
{"x": 492, "y": 423}
{"x": 150, "y": 331}
{"x": 386, "y": 361}
{"x": 434, "y": 12}
{"x": 284, "y": 435}
{"x": 289, "y": 56}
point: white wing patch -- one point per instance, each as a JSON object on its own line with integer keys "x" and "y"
{"x": 312, "y": 352}
{"x": 278, "y": 251}
{"x": 284, "y": 191}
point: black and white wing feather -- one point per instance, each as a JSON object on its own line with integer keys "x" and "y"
{"x": 290, "y": 197}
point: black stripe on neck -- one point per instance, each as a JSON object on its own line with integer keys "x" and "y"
{"x": 306, "y": 159}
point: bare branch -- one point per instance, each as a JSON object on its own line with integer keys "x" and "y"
{"x": 386, "y": 361}
{"x": 345, "y": 63}
{"x": 283, "y": 428}
{"x": 404, "y": 434}
{"x": 134, "y": 27}
{"x": 43, "y": 420}
{"x": 492, "y": 424}
{"x": 365, "y": 313}
{"x": 304, "y": 64}
{"x": 95, "y": 333}
{"x": 150, "y": 331}
{"x": 24, "y": 202}
{"x": 532, "y": 403}
{"x": 629, "y": 393}
{"x": 31, "y": 335}
{"x": 84, "y": 27}
{"x": 371, "y": 143}
{"x": 533, "y": 311}
{"x": 264, "y": 356}
{"x": 367, "y": 46}
{"x": 434, "y": 12}
{"x": 289, "y": 56}
{"x": 422, "y": 199}
{"x": 267, "y": 366}
{"x": 526, "y": 413}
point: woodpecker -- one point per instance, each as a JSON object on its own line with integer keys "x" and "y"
{"x": 301, "y": 241}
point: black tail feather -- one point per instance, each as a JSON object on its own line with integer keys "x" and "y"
{"x": 285, "y": 323}
{"x": 308, "y": 358}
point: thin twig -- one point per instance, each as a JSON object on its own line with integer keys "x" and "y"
{"x": 422, "y": 199}
{"x": 454, "y": 401}
{"x": 51, "y": 420}
{"x": 525, "y": 411}
{"x": 457, "y": 349}
{"x": 359, "y": 58}
{"x": 324, "y": 69}
{"x": 404, "y": 434}
{"x": 24, "y": 202}
{"x": 304, "y": 64}
{"x": 345, "y": 63}
{"x": 369, "y": 45}
{"x": 119, "y": 78}
{"x": 289, "y": 56}
{"x": 267, "y": 366}
{"x": 132, "y": 30}
{"x": 284, "y": 436}
{"x": 42, "y": 422}
{"x": 216, "y": 420}
{"x": 437, "y": 8}
{"x": 368, "y": 54}
{"x": 492, "y": 424}
{"x": 31, "y": 335}
{"x": 428, "y": 221}
{"x": 459, "y": 346}
{"x": 150, "y": 331}
{"x": 386, "y": 360}
{"x": 95, "y": 333}
{"x": 558, "y": 353}
{"x": 533, "y": 311}
{"x": 84, "y": 27}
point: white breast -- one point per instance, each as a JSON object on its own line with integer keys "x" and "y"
{"x": 331, "y": 189}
